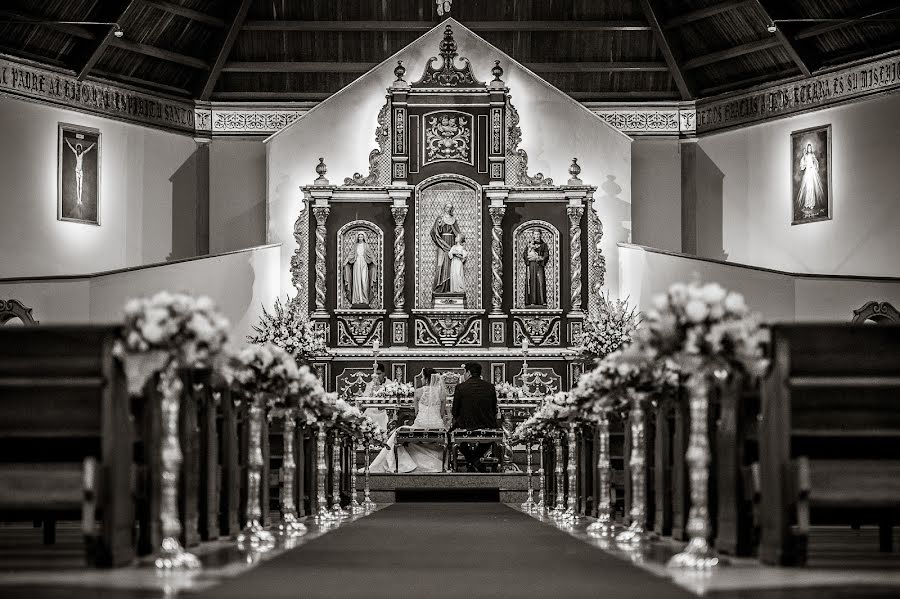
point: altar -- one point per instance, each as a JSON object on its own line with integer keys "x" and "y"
{"x": 447, "y": 249}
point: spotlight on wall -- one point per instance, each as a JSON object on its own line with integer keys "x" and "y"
{"x": 772, "y": 27}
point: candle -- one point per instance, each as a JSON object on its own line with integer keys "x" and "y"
{"x": 375, "y": 345}
{"x": 524, "y": 345}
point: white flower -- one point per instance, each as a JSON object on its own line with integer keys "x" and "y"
{"x": 734, "y": 303}
{"x": 152, "y": 332}
{"x": 713, "y": 293}
{"x": 679, "y": 293}
{"x": 661, "y": 302}
{"x": 156, "y": 315}
{"x": 696, "y": 310}
{"x": 205, "y": 304}
{"x": 133, "y": 307}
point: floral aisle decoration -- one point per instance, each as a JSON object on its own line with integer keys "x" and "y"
{"x": 162, "y": 334}
{"x": 612, "y": 330}
{"x": 263, "y": 375}
{"x": 290, "y": 329}
{"x": 712, "y": 334}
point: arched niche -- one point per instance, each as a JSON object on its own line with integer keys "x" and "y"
{"x": 876, "y": 312}
{"x": 13, "y": 312}
{"x": 522, "y": 236}
{"x": 346, "y": 248}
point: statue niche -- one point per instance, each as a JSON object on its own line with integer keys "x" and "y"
{"x": 536, "y": 266}
{"x": 360, "y": 266}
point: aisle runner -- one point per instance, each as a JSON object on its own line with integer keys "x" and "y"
{"x": 437, "y": 551}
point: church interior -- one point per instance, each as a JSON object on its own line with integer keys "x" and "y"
{"x": 449, "y": 298}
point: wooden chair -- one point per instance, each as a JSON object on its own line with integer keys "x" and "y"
{"x": 828, "y": 435}
{"x": 65, "y": 435}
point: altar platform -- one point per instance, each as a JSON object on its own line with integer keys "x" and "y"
{"x": 510, "y": 487}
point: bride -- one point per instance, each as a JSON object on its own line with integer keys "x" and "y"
{"x": 431, "y": 410}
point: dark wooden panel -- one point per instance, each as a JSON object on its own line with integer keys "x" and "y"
{"x": 48, "y": 486}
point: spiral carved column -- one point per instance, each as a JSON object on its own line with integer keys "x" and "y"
{"x": 597, "y": 266}
{"x": 399, "y": 213}
{"x": 321, "y": 215}
{"x": 497, "y": 213}
{"x": 575, "y": 213}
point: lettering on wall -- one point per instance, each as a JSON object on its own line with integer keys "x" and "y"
{"x": 107, "y": 100}
{"x": 814, "y": 92}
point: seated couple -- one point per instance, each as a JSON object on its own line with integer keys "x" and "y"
{"x": 474, "y": 407}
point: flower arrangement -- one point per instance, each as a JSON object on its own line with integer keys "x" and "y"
{"x": 264, "y": 370}
{"x": 290, "y": 329}
{"x": 706, "y": 327}
{"x": 505, "y": 389}
{"x": 395, "y": 389}
{"x": 613, "y": 329}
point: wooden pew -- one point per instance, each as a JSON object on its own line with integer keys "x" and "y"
{"x": 230, "y": 481}
{"x": 828, "y": 435}
{"x": 65, "y": 434}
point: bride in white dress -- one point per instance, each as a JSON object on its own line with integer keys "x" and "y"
{"x": 431, "y": 408}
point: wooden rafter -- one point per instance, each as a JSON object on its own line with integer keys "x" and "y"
{"x": 362, "y": 67}
{"x": 856, "y": 19}
{"x": 712, "y": 57}
{"x": 225, "y": 49}
{"x": 666, "y": 49}
{"x": 783, "y": 39}
{"x": 703, "y": 13}
{"x": 422, "y": 26}
{"x": 137, "y": 82}
{"x": 743, "y": 84}
{"x": 188, "y": 13}
{"x": 109, "y": 14}
{"x": 153, "y": 51}
{"x": 28, "y": 19}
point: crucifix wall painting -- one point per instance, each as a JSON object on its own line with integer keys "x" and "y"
{"x": 78, "y": 177}
{"x": 811, "y": 175}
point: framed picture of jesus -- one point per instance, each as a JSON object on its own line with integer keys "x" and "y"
{"x": 78, "y": 174}
{"x": 811, "y": 175}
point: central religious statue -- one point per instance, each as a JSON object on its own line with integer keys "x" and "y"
{"x": 445, "y": 234}
{"x": 359, "y": 271}
{"x": 536, "y": 255}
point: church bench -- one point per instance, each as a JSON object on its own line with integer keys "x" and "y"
{"x": 436, "y": 436}
{"x": 828, "y": 436}
{"x": 482, "y": 435}
{"x": 65, "y": 436}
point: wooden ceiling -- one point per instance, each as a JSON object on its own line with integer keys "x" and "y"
{"x": 594, "y": 50}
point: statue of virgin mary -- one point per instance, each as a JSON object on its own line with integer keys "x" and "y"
{"x": 359, "y": 270}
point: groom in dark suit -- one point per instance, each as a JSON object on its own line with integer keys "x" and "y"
{"x": 474, "y": 407}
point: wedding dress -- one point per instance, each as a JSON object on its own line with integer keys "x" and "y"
{"x": 418, "y": 457}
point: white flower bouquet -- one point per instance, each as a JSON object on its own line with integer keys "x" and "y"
{"x": 395, "y": 389}
{"x": 509, "y": 390}
{"x": 290, "y": 329}
{"x": 612, "y": 330}
{"x": 264, "y": 370}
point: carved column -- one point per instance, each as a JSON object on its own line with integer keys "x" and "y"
{"x": 597, "y": 266}
{"x": 300, "y": 259}
{"x": 497, "y": 213}
{"x": 399, "y": 213}
{"x": 575, "y": 213}
{"x": 321, "y": 215}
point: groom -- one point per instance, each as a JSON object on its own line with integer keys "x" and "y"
{"x": 474, "y": 407}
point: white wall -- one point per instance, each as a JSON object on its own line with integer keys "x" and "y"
{"x": 147, "y": 177}
{"x": 861, "y": 239}
{"x": 656, "y": 195}
{"x": 645, "y": 272}
{"x": 239, "y": 282}
{"x": 237, "y": 194}
{"x": 555, "y": 129}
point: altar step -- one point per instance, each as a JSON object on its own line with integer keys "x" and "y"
{"x": 511, "y": 487}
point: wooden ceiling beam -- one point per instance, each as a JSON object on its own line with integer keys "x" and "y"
{"x": 703, "y": 13}
{"x": 28, "y": 19}
{"x": 362, "y": 67}
{"x": 421, "y": 26}
{"x": 107, "y": 77}
{"x": 188, "y": 13}
{"x": 733, "y": 52}
{"x": 115, "y": 14}
{"x": 663, "y": 43}
{"x": 783, "y": 39}
{"x": 270, "y": 95}
{"x": 856, "y": 19}
{"x": 607, "y": 96}
{"x": 225, "y": 47}
{"x": 153, "y": 51}
{"x": 743, "y": 84}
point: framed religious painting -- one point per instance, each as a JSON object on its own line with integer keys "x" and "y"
{"x": 78, "y": 174}
{"x": 811, "y": 193}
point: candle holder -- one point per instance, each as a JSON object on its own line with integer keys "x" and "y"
{"x": 559, "y": 508}
{"x": 290, "y": 526}
{"x": 337, "y": 511}
{"x": 541, "y": 506}
{"x": 699, "y": 554}
{"x": 322, "y": 514}
{"x": 528, "y": 505}
{"x": 254, "y": 535}
{"x": 355, "y": 506}
{"x": 637, "y": 533}
{"x": 604, "y": 527}
{"x": 171, "y": 555}
{"x": 368, "y": 504}
{"x": 571, "y": 513}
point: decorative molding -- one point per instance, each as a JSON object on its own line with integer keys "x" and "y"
{"x": 447, "y": 136}
{"x": 879, "y": 312}
{"x": 447, "y": 330}
{"x": 538, "y": 382}
{"x": 323, "y": 370}
{"x": 575, "y": 213}
{"x": 321, "y": 215}
{"x": 380, "y": 157}
{"x": 576, "y": 369}
{"x": 447, "y": 74}
{"x": 597, "y": 266}
{"x": 498, "y": 332}
{"x": 497, "y": 213}
{"x": 13, "y": 308}
{"x": 539, "y": 330}
{"x": 440, "y": 353}
{"x": 399, "y": 213}
{"x": 300, "y": 259}
{"x": 345, "y": 242}
{"x": 498, "y": 372}
{"x": 237, "y": 121}
{"x": 398, "y": 372}
{"x": 659, "y": 121}
{"x": 351, "y": 382}
{"x": 358, "y": 330}
{"x": 576, "y": 330}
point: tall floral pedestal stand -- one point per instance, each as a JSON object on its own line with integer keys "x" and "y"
{"x": 699, "y": 554}
{"x": 637, "y": 533}
{"x": 541, "y": 506}
{"x": 337, "y": 512}
{"x": 355, "y": 506}
{"x": 290, "y": 526}
{"x": 571, "y": 513}
{"x": 171, "y": 555}
{"x": 254, "y": 535}
{"x": 559, "y": 508}
{"x": 323, "y": 515}
{"x": 368, "y": 505}
{"x": 528, "y": 505}
{"x": 604, "y": 526}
